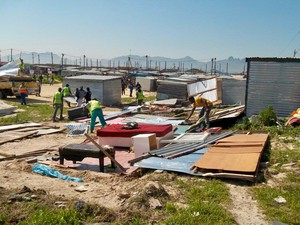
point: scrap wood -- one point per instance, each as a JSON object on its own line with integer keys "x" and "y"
{"x": 105, "y": 152}
{"x": 6, "y": 154}
{"x": 13, "y": 135}
{"x": 18, "y": 126}
{"x": 30, "y": 154}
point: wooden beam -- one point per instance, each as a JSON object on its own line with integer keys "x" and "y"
{"x": 105, "y": 152}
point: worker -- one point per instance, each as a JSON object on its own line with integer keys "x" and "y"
{"x": 139, "y": 97}
{"x": 67, "y": 92}
{"x": 21, "y": 66}
{"x": 94, "y": 107}
{"x": 23, "y": 93}
{"x": 58, "y": 104}
{"x": 206, "y": 108}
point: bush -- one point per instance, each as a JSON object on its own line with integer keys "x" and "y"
{"x": 268, "y": 116}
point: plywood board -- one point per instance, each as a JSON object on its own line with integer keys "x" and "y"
{"x": 243, "y": 162}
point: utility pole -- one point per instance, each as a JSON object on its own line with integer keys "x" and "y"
{"x": 39, "y": 59}
{"x": 146, "y": 62}
{"x": 215, "y": 67}
{"x": 62, "y": 60}
{"x": 32, "y": 58}
{"x": 227, "y": 68}
{"x": 84, "y": 61}
{"x": 11, "y": 59}
{"x": 212, "y": 66}
{"x": 52, "y": 58}
{"x": 295, "y": 52}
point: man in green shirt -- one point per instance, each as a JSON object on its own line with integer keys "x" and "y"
{"x": 58, "y": 104}
{"x": 94, "y": 107}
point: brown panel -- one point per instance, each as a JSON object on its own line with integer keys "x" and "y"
{"x": 245, "y": 162}
{"x": 245, "y": 138}
{"x": 236, "y": 144}
{"x": 244, "y": 149}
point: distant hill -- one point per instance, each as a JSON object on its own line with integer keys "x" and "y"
{"x": 235, "y": 65}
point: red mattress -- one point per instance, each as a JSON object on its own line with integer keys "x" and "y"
{"x": 115, "y": 130}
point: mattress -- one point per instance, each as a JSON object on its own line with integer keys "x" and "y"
{"x": 116, "y": 130}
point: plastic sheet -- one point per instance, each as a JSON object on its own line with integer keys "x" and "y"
{"x": 48, "y": 171}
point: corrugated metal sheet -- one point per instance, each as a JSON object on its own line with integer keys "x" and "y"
{"x": 178, "y": 148}
{"x": 171, "y": 89}
{"x": 274, "y": 83}
{"x": 233, "y": 91}
{"x": 180, "y": 164}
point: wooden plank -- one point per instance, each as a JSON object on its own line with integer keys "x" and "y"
{"x": 6, "y": 154}
{"x": 10, "y": 136}
{"x": 18, "y": 126}
{"x": 105, "y": 152}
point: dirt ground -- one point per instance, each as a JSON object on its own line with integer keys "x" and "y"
{"x": 113, "y": 191}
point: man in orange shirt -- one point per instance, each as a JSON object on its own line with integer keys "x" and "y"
{"x": 23, "y": 93}
{"x": 206, "y": 108}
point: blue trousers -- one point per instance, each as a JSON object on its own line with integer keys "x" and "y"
{"x": 23, "y": 98}
{"x": 97, "y": 113}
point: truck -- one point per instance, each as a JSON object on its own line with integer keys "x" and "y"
{"x": 11, "y": 77}
{"x": 9, "y": 86}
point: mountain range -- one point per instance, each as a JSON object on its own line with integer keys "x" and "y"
{"x": 230, "y": 65}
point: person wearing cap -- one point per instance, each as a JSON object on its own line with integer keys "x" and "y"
{"x": 94, "y": 107}
{"x": 23, "y": 93}
{"x": 58, "y": 104}
{"x": 206, "y": 105}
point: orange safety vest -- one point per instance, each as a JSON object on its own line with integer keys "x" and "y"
{"x": 22, "y": 90}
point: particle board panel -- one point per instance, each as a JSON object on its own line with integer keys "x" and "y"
{"x": 236, "y": 162}
{"x": 262, "y": 138}
{"x": 236, "y": 149}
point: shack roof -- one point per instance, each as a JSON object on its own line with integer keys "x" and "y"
{"x": 272, "y": 59}
{"x": 93, "y": 77}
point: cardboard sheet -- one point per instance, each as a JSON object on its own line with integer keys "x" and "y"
{"x": 240, "y": 162}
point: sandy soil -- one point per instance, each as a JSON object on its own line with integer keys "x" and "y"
{"x": 111, "y": 190}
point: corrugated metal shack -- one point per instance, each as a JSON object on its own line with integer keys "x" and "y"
{"x": 233, "y": 89}
{"x": 107, "y": 89}
{"x": 183, "y": 88}
{"x": 147, "y": 83}
{"x": 275, "y": 82}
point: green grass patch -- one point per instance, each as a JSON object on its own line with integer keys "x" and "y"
{"x": 286, "y": 212}
{"x": 205, "y": 200}
{"x": 30, "y": 113}
{"x": 284, "y": 156}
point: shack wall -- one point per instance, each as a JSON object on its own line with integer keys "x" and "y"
{"x": 233, "y": 91}
{"x": 273, "y": 82}
{"x": 105, "y": 89}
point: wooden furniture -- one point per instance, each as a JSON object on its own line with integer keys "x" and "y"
{"x": 77, "y": 152}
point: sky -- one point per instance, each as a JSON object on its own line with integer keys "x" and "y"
{"x": 104, "y": 29}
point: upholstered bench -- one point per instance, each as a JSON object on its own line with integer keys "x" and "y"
{"x": 77, "y": 152}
